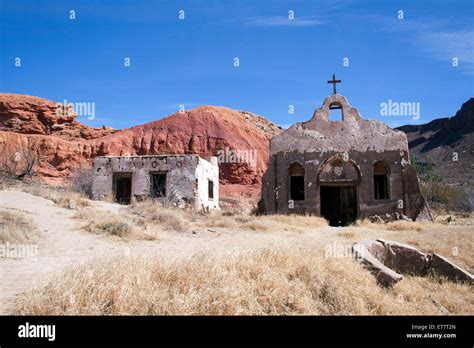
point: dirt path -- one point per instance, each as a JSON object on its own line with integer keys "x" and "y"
{"x": 61, "y": 243}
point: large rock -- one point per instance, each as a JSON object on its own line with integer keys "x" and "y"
{"x": 441, "y": 265}
{"x": 388, "y": 260}
{"x": 370, "y": 253}
{"x": 32, "y": 115}
{"x": 404, "y": 258}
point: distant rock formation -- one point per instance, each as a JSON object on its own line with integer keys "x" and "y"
{"x": 66, "y": 145}
{"x": 32, "y": 115}
{"x": 448, "y": 142}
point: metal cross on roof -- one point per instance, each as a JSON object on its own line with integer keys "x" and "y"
{"x": 334, "y": 81}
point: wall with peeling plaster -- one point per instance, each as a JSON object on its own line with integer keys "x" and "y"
{"x": 359, "y": 144}
{"x": 187, "y": 175}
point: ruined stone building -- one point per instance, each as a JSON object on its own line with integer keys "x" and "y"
{"x": 174, "y": 178}
{"x": 341, "y": 170}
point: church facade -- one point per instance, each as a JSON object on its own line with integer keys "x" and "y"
{"x": 340, "y": 170}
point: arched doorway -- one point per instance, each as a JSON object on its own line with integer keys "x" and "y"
{"x": 338, "y": 181}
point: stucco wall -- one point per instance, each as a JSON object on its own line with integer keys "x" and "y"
{"x": 181, "y": 174}
{"x": 358, "y": 142}
{"x": 205, "y": 171}
{"x": 352, "y": 133}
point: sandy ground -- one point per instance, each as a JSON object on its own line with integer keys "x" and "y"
{"x": 62, "y": 243}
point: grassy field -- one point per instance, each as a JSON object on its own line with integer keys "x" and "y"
{"x": 228, "y": 263}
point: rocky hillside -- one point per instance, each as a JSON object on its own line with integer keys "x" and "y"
{"x": 32, "y": 115}
{"x": 443, "y": 141}
{"x": 66, "y": 145}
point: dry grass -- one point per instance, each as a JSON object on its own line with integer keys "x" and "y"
{"x": 179, "y": 220}
{"x": 16, "y": 227}
{"x": 292, "y": 277}
{"x": 112, "y": 224}
{"x": 169, "y": 219}
{"x": 398, "y": 225}
{"x": 295, "y": 223}
{"x": 284, "y": 280}
{"x": 453, "y": 240}
{"x": 402, "y": 225}
{"x": 64, "y": 197}
{"x": 347, "y": 234}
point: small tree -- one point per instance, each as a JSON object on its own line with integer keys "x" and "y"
{"x": 416, "y": 165}
{"x": 431, "y": 187}
{"x": 18, "y": 163}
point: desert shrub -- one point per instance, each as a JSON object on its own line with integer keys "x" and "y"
{"x": 171, "y": 219}
{"x": 18, "y": 162}
{"x": 112, "y": 224}
{"x": 445, "y": 196}
{"x": 438, "y": 193}
{"x": 16, "y": 227}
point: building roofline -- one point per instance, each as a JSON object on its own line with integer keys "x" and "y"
{"x": 151, "y": 156}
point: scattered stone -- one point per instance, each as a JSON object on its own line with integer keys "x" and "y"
{"x": 388, "y": 260}
{"x": 375, "y": 219}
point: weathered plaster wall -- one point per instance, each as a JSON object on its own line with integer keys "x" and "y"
{"x": 359, "y": 144}
{"x": 205, "y": 171}
{"x": 352, "y": 133}
{"x": 182, "y": 172}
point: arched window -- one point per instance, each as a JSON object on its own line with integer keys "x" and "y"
{"x": 381, "y": 181}
{"x": 296, "y": 174}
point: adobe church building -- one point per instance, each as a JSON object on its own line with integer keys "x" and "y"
{"x": 340, "y": 170}
{"x": 175, "y": 178}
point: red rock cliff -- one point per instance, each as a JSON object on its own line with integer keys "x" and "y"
{"x": 240, "y": 139}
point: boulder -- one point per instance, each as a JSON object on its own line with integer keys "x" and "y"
{"x": 405, "y": 259}
{"x": 384, "y": 275}
{"x": 388, "y": 260}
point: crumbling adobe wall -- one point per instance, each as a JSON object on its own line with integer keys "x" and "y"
{"x": 354, "y": 140}
{"x": 277, "y": 177}
{"x": 180, "y": 174}
{"x": 351, "y": 134}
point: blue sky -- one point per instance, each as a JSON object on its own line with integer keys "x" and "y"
{"x": 283, "y": 61}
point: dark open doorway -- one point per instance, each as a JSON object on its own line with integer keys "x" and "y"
{"x": 123, "y": 187}
{"x": 339, "y": 204}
